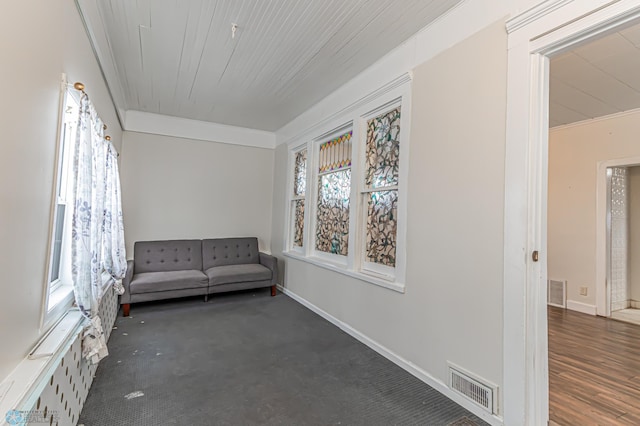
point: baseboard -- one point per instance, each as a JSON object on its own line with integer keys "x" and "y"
{"x": 398, "y": 360}
{"x": 581, "y": 307}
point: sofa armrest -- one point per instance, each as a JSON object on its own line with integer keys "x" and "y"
{"x": 126, "y": 281}
{"x": 270, "y": 262}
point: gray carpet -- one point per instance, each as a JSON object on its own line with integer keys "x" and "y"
{"x": 250, "y": 359}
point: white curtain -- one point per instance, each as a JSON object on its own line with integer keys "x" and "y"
{"x": 97, "y": 234}
{"x": 114, "y": 254}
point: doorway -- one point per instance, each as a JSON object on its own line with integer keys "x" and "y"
{"x": 534, "y": 37}
{"x": 623, "y": 242}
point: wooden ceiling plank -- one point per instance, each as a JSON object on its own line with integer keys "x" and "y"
{"x": 287, "y": 53}
{"x": 280, "y": 43}
{"x": 197, "y": 23}
{"x": 109, "y": 13}
{"x": 321, "y": 61}
{"x": 368, "y": 41}
{"x": 217, "y": 53}
{"x": 165, "y": 53}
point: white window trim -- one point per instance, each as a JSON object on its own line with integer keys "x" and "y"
{"x": 57, "y": 297}
{"x": 289, "y": 212}
{"x": 341, "y": 269}
{"x": 395, "y": 93}
{"x": 396, "y": 273}
{"x": 312, "y": 198}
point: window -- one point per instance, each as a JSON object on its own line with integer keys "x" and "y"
{"x": 297, "y": 200}
{"x": 381, "y": 174}
{"x": 353, "y": 187}
{"x": 334, "y": 192}
{"x": 59, "y": 283}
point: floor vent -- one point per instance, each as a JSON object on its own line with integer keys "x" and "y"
{"x": 472, "y": 388}
{"x": 557, "y": 293}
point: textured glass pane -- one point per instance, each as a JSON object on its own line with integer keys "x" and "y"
{"x": 332, "y": 228}
{"x": 335, "y": 154}
{"x": 382, "y": 227}
{"x": 298, "y": 225}
{"x": 383, "y": 150}
{"x": 300, "y": 173}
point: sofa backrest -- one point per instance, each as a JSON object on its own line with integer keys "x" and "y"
{"x": 229, "y": 251}
{"x": 169, "y": 255}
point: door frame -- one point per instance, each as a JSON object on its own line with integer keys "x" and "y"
{"x": 547, "y": 29}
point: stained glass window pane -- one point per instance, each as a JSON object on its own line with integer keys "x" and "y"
{"x": 383, "y": 150}
{"x": 332, "y": 227}
{"x": 382, "y": 226}
{"x": 335, "y": 154}
{"x": 298, "y": 225}
{"x": 300, "y": 173}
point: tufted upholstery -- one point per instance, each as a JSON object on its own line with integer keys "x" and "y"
{"x": 229, "y": 251}
{"x": 181, "y": 268}
{"x": 162, "y": 256}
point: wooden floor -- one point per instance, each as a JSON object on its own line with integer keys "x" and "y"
{"x": 594, "y": 370}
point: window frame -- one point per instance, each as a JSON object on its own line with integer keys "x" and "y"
{"x": 58, "y": 294}
{"x": 313, "y": 188}
{"x": 394, "y": 94}
{"x": 381, "y": 271}
{"x": 291, "y": 200}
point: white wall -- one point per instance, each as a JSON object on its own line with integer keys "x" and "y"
{"x": 452, "y": 308}
{"x": 634, "y": 233}
{"x": 574, "y": 152}
{"x": 182, "y": 188}
{"x": 38, "y": 42}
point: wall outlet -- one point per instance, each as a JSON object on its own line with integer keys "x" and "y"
{"x": 583, "y": 291}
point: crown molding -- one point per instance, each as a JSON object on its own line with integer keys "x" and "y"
{"x": 314, "y": 129}
{"x": 535, "y": 13}
{"x": 146, "y": 122}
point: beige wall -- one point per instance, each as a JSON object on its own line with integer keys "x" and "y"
{"x": 574, "y": 153}
{"x": 183, "y": 188}
{"x": 634, "y": 233}
{"x": 452, "y": 308}
{"x": 38, "y": 42}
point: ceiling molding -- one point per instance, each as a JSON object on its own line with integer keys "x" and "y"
{"x": 313, "y": 130}
{"x": 535, "y": 13}
{"x": 145, "y": 122}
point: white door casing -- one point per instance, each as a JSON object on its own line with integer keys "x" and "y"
{"x": 547, "y": 29}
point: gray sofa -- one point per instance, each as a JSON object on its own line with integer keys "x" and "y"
{"x": 179, "y": 268}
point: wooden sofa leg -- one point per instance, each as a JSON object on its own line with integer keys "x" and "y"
{"x": 273, "y": 290}
{"x": 206, "y": 298}
{"x": 125, "y": 309}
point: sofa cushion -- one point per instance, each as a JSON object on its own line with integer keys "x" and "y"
{"x": 171, "y": 255}
{"x": 148, "y": 282}
{"x": 229, "y": 251}
{"x": 229, "y": 274}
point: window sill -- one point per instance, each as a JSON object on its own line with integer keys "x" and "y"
{"x": 19, "y": 390}
{"x": 391, "y": 285}
{"x": 62, "y": 299}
